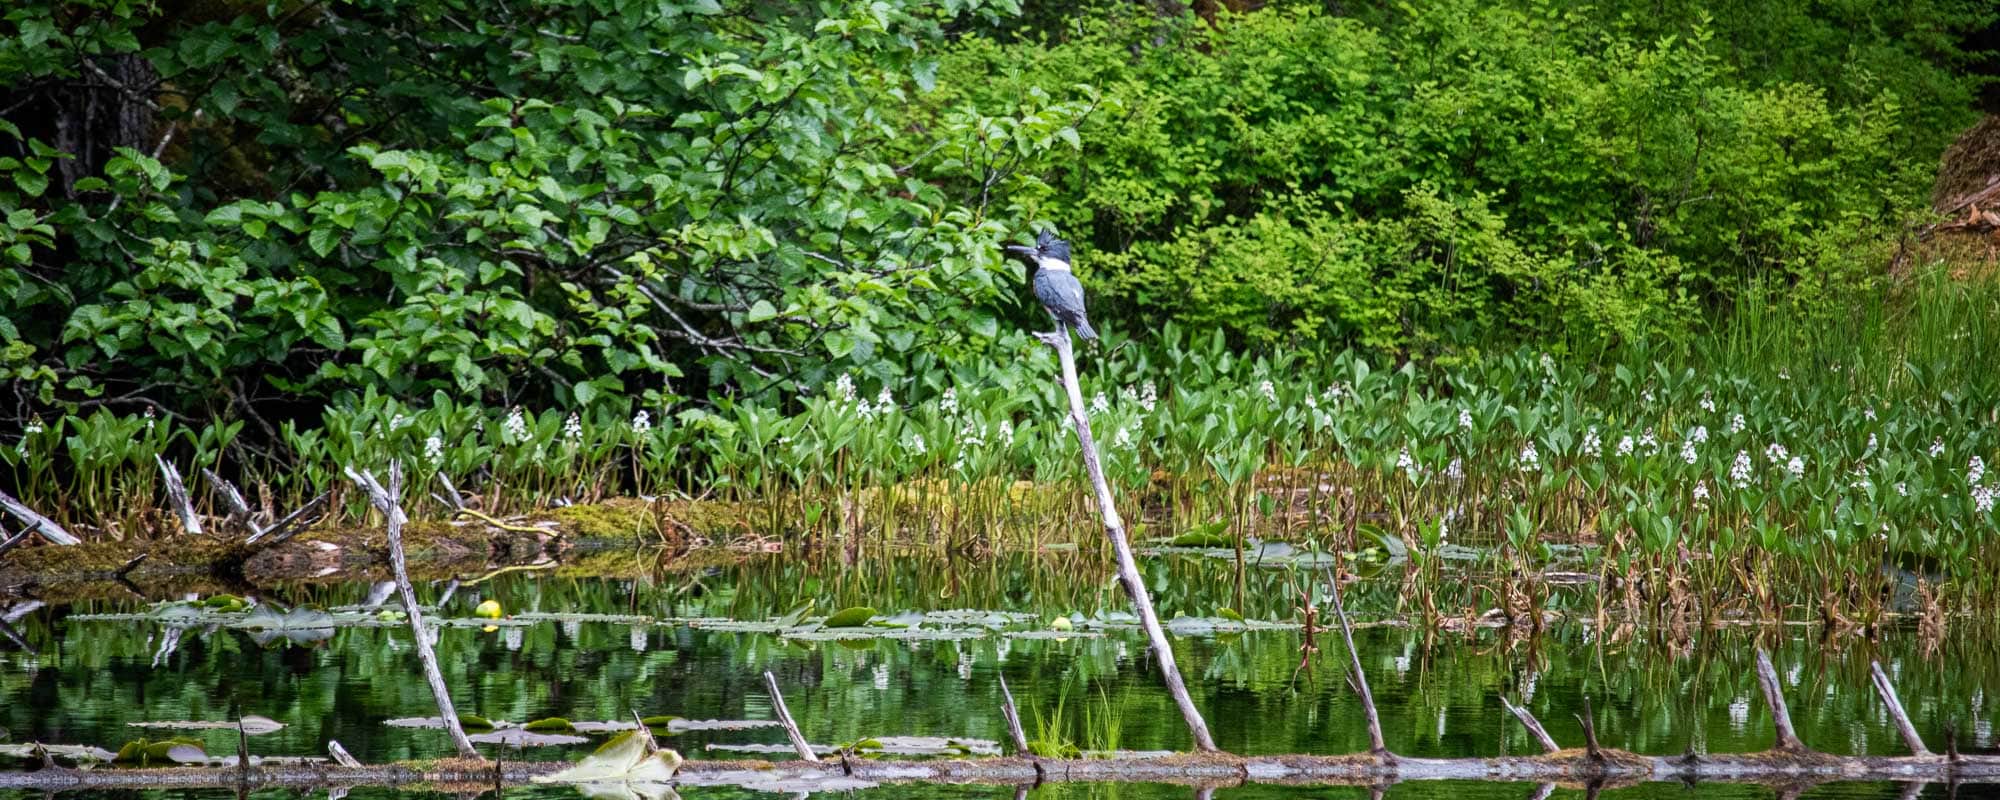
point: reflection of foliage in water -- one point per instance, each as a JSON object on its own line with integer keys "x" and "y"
{"x": 1438, "y": 697}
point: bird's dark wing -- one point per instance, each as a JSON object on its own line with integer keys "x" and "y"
{"x": 1062, "y": 295}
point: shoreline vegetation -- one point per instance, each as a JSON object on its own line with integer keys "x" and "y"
{"x": 1810, "y": 472}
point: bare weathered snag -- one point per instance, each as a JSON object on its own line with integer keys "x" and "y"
{"x": 1533, "y": 725}
{"x": 1588, "y": 718}
{"x": 384, "y": 500}
{"x": 36, "y": 522}
{"x": 341, "y": 756}
{"x": 1359, "y": 678}
{"x": 784, "y": 715}
{"x": 286, "y": 528}
{"x": 177, "y": 494}
{"x": 1114, "y": 529}
{"x": 1774, "y": 695}
{"x": 1896, "y": 712}
{"x": 239, "y": 509}
{"x": 1012, "y": 715}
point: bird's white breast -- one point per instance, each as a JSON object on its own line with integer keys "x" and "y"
{"x": 1052, "y": 263}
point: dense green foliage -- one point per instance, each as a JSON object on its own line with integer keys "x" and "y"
{"x": 1422, "y": 179}
{"x": 247, "y": 212}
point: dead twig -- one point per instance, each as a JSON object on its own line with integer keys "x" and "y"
{"x": 799, "y": 743}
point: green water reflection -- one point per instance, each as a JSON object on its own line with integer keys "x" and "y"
{"x": 1439, "y": 693}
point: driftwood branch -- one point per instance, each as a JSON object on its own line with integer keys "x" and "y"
{"x": 1533, "y": 725}
{"x": 1012, "y": 714}
{"x": 300, "y": 519}
{"x": 239, "y": 509}
{"x": 784, "y": 715}
{"x": 177, "y": 494}
{"x": 1589, "y": 720}
{"x": 1114, "y": 529}
{"x": 37, "y": 523}
{"x": 384, "y": 500}
{"x": 1904, "y": 727}
{"x": 1774, "y": 695}
{"x": 1356, "y": 675}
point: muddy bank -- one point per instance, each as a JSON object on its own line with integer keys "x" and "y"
{"x": 615, "y": 537}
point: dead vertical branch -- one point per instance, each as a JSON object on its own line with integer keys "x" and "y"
{"x": 1589, "y": 720}
{"x": 384, "y": 500}
{"x": 799, "y": 744}
{"x": 1356, "y": 676}
{"x": 36, "y": 522}
{"x": 1012, "y": 714}
{"x": 10, "y": 542}
{"x": 177, "y": 494}
{"x": 1533, "y": 725}
{"x": 1896, "y": 712}
{"x": 239, "y": 509}
{"x": 1774, "y": 695}
{"x": 1114, "y": 529}
{"x": 341, "y": 756}
{"x": 451, "y": 496}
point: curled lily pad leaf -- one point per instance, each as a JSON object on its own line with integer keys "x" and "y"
{"x": 520, "y": 737}
{"x": 774, "y": 749}
{"x": 550, "y": 725}
{"x": 618, "y": 619}
{"x": 629, "y": 758}
{"x": 253, "y": 725}
{"x": 467, "y": 721}
{"x": 905, "y": 634}
{"x": 1204, "y": 537}
{"x": 721, "y": 724}
{"x": 849, "y": 617}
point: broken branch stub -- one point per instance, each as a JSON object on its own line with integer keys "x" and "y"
{"x": 1901, "y": 718}
{"x": 784, "y": 715}
{"x": 1774, "y": 695}
{"x": 177, "y": 494}
{"x": 37, "y": 523}
{"x": 1533, "y": 725}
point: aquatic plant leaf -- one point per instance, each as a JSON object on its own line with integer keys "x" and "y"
{"x": 678, "y": 724}
{"x": 630, "y": 757}
{"x": 616, "y": 619}
{"x": 929, "y": 746}
{"x": 549, "y": 725}
{"x": 755, "y": 747}
{"x": 1205, "y": 537}
{"x": 849, "y": 617}
{"x": 466, "y": 721}
{"x": 253, "y": 725}
{"x": 521, "y": 737}
{"x": 1229, "y": 614}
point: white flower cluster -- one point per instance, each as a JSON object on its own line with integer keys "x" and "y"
{"x": 642, "y": 422}
{"x": 573, "y": 428}
{"x": 1739, "y": 471}
{"x": 1269, "y": 391}
{"x": 434, "y": 448}
{"x": 1531, "y": 461}
{"x": 948, "y": 403}
{"x": 516, "y": 426}
{"x": 1593, "y": 445}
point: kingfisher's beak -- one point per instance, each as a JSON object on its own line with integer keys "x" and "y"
{"x": 1020, "y": 251}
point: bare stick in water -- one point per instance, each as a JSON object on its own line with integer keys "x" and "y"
{"x": 239, "y": 509}
{"x": 384, "y": 500}
{"x": 1114, "y": 529}
{"x": 799, "y": 744}
{"x": 1896, "y": 712}
{"x": 177, "y": 494}
{"x": 1013, "y": 716}
{"x": 1533, "y": 725}
{"x": 1781, "y": 715}
{"x": 1588, "y": 718}
{"x": 1357, "y": 676}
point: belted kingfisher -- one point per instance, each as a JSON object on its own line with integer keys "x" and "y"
{"x": 1055, "y": 284}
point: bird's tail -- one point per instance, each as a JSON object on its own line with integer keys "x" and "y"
{"x": 1084, "y": 330}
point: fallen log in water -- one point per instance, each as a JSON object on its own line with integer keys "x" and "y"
{"x": 1613, "y": 767}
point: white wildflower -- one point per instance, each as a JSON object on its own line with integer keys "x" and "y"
{"x": 434, "y": 448}
{"x": 1776, "y": 453}
{"x": 149, "y": 419}
{"x": 642, "y": 421}
{"x": 1688, "y": 453}
{"x": 1268, "y": 390}
{"x": 33, "y": 427}
{"x": 949, "y": 402}
{"x": 1646, "y": 396}
{"x": 1700, "y": 491}
{"x": 1736, "y": 424}
{"x": 1531, "y": 461}
{"x": 1007, "y": 429}
{"x": 1334, "y": 391}
{"x": 1699, "y": 434}
{"x": 1871, "y": 443}
{"x": 1796, "y": 466}
{"x": 864, "y": 410}
{"x": 1708, "y": 402}
{"x": 1937, "y": 447}
{"x": 885, "y": 402}
{"x": 844, "y": 387}
{"x": 1625, "y": 445}
{"x": 1548, "y": 364}
{"x": 1123, "y": 441}
{"x": 1100, "y": 403}
{"x": 1902, "y": 489}
{"x": 1149, "y": 395}
{"x": 1455, "y": 470}
{"x": 1649, "y": 443}
{"x": 1739, "y": 471}
{"x": 516, "y": 426}
{"x": 1464, "y": 420}
{"x": 1593, "y": 445}
{"x": 398, "y": 422}
{"x": 971, "y": 435}
{"x": 1312, "y": 402}
{"x": 1868, "y": 412}
{"x": 1983, "y": 497}
{"x": 573, "y": 427}
{"x": 1975, "y": 470}
{"x": 1406, "y": 464}
{"x": 917, "y": 445}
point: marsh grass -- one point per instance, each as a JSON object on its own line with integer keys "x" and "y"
{"x": 1779, "y": 461}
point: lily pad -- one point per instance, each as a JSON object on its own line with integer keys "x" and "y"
{"x": 550, "y": 725}
{"x": 253, "y": 725}
{"x": 72, "y": 753}
{"x": 630, "y": 757}
{"x": 520, "y": 737}
{"x": 849, "y": 617}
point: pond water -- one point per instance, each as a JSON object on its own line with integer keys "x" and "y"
{"x": 74, "y": 678}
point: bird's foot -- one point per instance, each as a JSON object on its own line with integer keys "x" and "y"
{"x": 1052, "y": 338}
